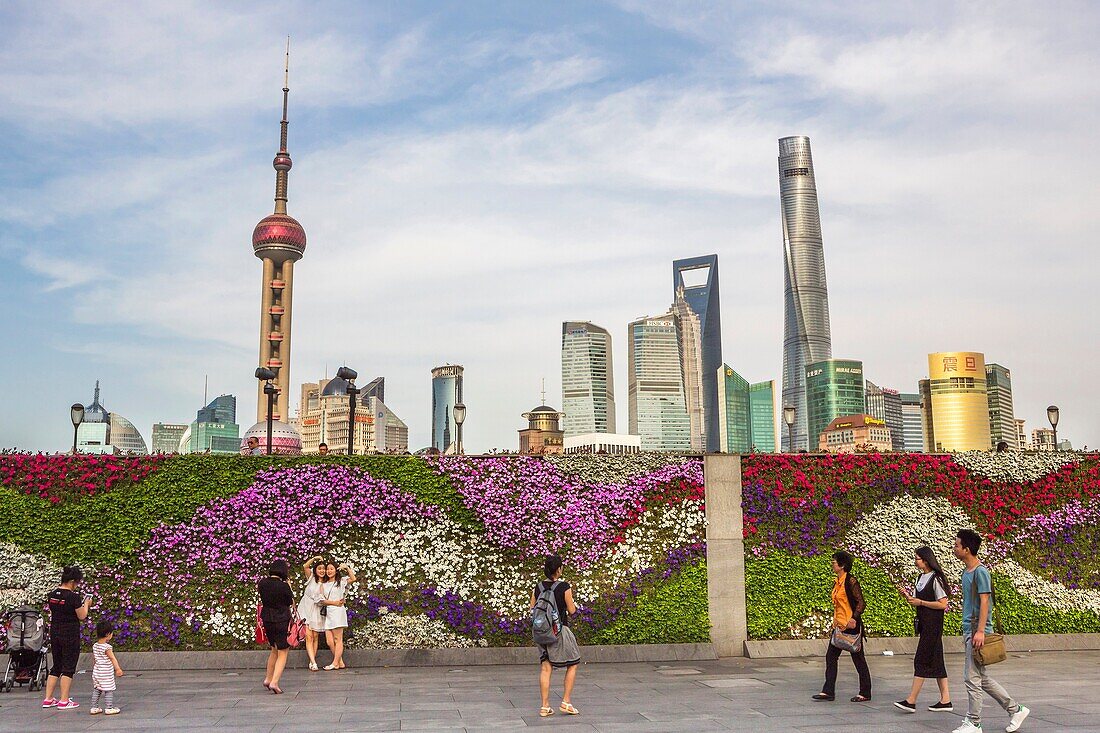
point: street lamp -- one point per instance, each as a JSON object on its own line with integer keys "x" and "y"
{"x": 348, "y": 375}
{"x": 788, "y": 418}
{"x": 1052, "y": 416}
{"x": 270, "y": 390}
{"x": 460, "y": 417}
{"x": 76, "y": 412}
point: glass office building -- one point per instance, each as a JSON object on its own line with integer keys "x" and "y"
{"x": 1002, "y": 421}
{"x": 746, "y": 413}
{"x": 446, "y": 393}
{"x": 807, "y": 337}
{"x": 215, "y": 428}
{"x": 884, "y": 404}
{"x": 695, "y": 282}
{"x": 587, "y": 379}
{"x": 657, "y": 406}
{"x": 167, "y": 436}
{"x": 125, "y": 437}
{"x": 912, "y": 425}
{"x": 834, "y": 388}
{"x": 691, "y": 364}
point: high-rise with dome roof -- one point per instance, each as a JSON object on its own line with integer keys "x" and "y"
{"x": 279, "y": 241}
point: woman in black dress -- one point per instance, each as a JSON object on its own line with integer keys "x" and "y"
{"x": 930, "y": 602}
{"x": 277, "y": 600}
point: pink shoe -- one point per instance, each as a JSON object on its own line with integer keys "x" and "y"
{"x": 69, "y": 704}
{"x": 49, "y": 702}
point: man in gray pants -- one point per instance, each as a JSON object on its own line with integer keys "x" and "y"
{"x": 977, "y": 621}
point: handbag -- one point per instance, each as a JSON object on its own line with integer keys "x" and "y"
{"x": 850, "y": 642}
{"x": 261, "y": 635}
{"x": 994, "y": 649}
{"x": 296, "y": 630}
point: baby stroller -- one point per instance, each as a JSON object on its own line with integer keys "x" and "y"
{"x": 27, "y": 646}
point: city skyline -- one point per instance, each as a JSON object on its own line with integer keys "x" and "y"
{"x": 567, "y": 156}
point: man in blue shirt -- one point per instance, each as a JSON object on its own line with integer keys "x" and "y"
{"x": 977, "y": 621}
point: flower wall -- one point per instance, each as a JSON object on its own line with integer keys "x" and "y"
{"x": 447, "y": 550}
{"x": 1038, "y": 512}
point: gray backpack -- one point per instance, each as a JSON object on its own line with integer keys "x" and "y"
{"x": 545, "y": 619}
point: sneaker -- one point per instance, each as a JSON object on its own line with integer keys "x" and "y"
{"x": 968, "y": 727}
{"x": 905, "y": 706}
{"x": 941, "y": 707}
{"x": 69, "y": 704}
{"x": 95, "y": 711}
{"x": 112, "y": 711}
{"x": 1017, "y": 720}
{"x": 49, "y": 702}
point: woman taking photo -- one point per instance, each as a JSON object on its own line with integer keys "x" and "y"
{"x": 848, "y": 607}
{"x": 309, "y": 608}
{"x": 67, "y": 609}
{"x": 930, "y": 601}
{"x": 336, "y": 614}
{"x": 277, "y": 600}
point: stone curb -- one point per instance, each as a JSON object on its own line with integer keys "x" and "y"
{"x": 908, "y": 645}
{"x": 257, "y": 659}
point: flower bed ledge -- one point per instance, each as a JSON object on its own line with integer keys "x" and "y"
{"x": 1017, "y": 644}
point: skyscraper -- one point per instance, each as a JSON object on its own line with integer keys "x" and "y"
{"x": 167, "y": 436}
{"x": 746, "y": 413}
{"x": 279, "y": 241}
{"x": 1021, "y": 434}
{"x": 107, "y": 432}
{"x": 215, "y": 428}
{"x": 834, "y": 388}
{"x": 695, "y": 282}
{"x": 691, "y": 359}
{"x": 446, "y": 393}
{"x": 884, "y": 404}
{"x": 1002, "y": 421}
{"x": 125, "y": 437}
{"x": 806, "y": 333}
{"x": 657, "y": 407}
{"x": 956, "y": 400}
{"x": 762, "y": 414}
{"x": 912, "y": 428}
{"x": 587, "y": 379}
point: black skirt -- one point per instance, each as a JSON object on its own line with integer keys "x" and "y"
{"x": 928, "y": 661}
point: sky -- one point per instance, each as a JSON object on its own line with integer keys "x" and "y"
{"x": 471, "y": 174}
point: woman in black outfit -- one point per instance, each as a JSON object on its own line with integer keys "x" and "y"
{"x": 67, "y": 609}
{"x": 930, "y": 602}
{"x": 277, "y": 600}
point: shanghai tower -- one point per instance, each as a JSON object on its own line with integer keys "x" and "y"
{"x": 806, "y": 334}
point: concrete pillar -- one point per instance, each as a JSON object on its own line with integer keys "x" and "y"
{"x": 725, "y": 555}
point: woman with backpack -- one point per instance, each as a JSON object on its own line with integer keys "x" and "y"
{"x": 551, "y": 605}
{"x": 848, "y": 607}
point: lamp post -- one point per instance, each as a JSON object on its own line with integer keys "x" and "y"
{"x": 1052, "y": 416}
{"x": 348, "y": 374}
{"x": 270, "y": 390}
{"x": 76, "y": 412}
{"x": 460, "y": 417}
{"x": 788, "y": 418}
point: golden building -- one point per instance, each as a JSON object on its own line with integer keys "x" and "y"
{"x": 543, "y": 434}
{"x": 279, "y": 241}
{"x": 956, "y": 402}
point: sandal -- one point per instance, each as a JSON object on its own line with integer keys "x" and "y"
{"x": 821, "y": 696}
{"x": 329, "y": 667}
{"x": 568, "y": 709}
{"x": 861, "y": 698}
{"x": 546, "y": 712}
{"x": 275, "y": 690}
{"x": 313, "y": 666}
{"x": 267, "y": 684}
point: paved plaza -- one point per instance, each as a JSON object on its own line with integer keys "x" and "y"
{"x": 1061, "y": 688}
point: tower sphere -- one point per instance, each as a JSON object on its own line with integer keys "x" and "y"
{"x": 282, "y": 162}
{"x": 279, "y": 237}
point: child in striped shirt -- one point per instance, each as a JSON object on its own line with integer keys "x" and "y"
{"x": 104, "y": 670}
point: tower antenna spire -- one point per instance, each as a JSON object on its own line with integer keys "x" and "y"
{"x": 544, "y": 391}
{"x": 282, "y": 161}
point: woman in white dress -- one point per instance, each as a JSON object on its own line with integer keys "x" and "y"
{"x": 309, "y": 608}
{"x": 337, "y": 580}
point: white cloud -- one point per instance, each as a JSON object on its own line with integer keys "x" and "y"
{"x": 63, "y": 273}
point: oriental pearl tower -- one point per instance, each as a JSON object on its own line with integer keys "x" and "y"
{"x": 279, "y": 241}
